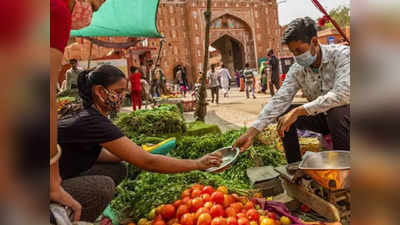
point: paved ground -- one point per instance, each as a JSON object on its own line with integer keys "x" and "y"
{"x": 234, "y": 111}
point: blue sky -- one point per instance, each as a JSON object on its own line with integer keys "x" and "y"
{"x": 292, "y": 9}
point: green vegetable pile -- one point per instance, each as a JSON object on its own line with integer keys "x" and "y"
{"x": 163, "y": 120}
{"x": 136, "y": 197}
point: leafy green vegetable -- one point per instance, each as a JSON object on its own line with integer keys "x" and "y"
{"x": 165, "y": 119}
{"x": 136, "y": 197}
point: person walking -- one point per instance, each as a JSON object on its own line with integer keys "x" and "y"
{"x": 213, "y": 82}
{"x": 136, "y": 88}
{"x": 273, "y": 61}
{"x": 72, "y": 75}
{"x": 225, "y": 77}
{"x": 249, "y": 80}
{"x": 237, "y": 76}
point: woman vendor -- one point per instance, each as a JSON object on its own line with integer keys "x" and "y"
{"x": 93, "y": 147}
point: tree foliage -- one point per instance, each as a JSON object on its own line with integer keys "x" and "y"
{"x": 341, "y": 15}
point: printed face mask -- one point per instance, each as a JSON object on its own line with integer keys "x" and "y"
{"x": 81, "y": 14}
{"x": 306, "y": 59}
{"x": 113, "y": 100}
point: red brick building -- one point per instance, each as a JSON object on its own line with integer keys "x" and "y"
{"x": 241, "y": 31}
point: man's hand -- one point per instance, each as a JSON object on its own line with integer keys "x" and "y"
{"x": 288, "y": 119}
{"x": 246, "y": 140}
{"x": 59, "y": 195}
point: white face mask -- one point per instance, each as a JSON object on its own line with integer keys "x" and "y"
{"x": 81, "y": 14}
{"x": 306, "y": 59}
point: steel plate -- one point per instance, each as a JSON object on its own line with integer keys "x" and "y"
{"x": 229, "y": 155}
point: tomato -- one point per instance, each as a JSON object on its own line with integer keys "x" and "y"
{"x": 230, "y": 212}
{"x": 196, "y": 193}
{"x": 249, "y": 205}
{"x": 158, "y": 217}
{"x": 206, "y": 197}
{"x": 152, "y": 214}
{"x": 208, "y": 205}
{"x": 271, "y": 215}
{"x": 177, "y": 203}
{"x": 182, "y": 209}
{"x": 217, "y": 211}
{"x": 228, "y": 200}
{"x": 187, "y": 201}
{"x": 238, "y": 206}
{"x": 217, "y": 197}
{"x": 208, "y": 190}
{"x": 285, "y": 220}
{"x": 223, "y": 189}
{"x": 167, "y": 211}
{"x": 187, "y": 219}
{"x": 186, "y": 193}
{"x": 172, "y": 221}
{"x": 159, "y": 222}
{"x": 201, "y": 211}
{"x": 197, "y": 186}
{"x": 197, "y": 203}
{"x": 253, "y": 215}
{"x": 204, "y": 219}
{"x": 243, "y": 221}
{"x": 218, "y": 221}
{"x": 232, "y": 221}
{"x": 158, "y": 209}
{"x": 267, "y": 221}
{"x": 239, "y": 215}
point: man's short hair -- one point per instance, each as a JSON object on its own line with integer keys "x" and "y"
{"x": 73, "y": 61}
{"x": 223, "y": 66}
{"x": 132, "y": 69}
{"x": 300, "y": 29}
{"x": 246, "y": 65}
{"x": 270, "y": 51}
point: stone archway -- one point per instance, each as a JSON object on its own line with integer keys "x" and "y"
{"x": 232, "y": 52}
{"x": 238, "y": 32}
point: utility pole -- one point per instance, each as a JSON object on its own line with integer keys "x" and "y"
{"x": 201, "y": 107}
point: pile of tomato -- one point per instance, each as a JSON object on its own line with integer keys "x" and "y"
{"x": 203, "y": 205}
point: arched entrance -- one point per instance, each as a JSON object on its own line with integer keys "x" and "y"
{"x": 232, "y": 37}
{"x": 232, "y": 52}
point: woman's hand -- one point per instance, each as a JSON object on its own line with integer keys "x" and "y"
{"x": 209, "y": 160}
{"x": 59, "y": 195}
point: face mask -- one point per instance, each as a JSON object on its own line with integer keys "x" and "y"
{"x": 81, "y": 14}
{"x": 306, "y": 59}
{"x": 113, "y": 100}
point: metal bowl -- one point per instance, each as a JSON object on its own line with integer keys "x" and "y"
{"x": 331, "y": 169}
{"x": 326, "y": 160}
{"x": 229, "y": 155}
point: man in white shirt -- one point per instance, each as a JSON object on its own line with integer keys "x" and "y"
{"x": 72, "y": 75}
{"x": 225, "y": 77}
{"x": 322, "y": 72}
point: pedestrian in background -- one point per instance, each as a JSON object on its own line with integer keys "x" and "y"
{"x": 249, "y": 80}
{"x": 213, "y": 83}
{"x": 136, "y": 88}
{"x": 225, "y": 77}
{"x": 273, "y": 61}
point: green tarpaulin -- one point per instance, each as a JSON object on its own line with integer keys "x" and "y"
{"x": 123, "y": 18}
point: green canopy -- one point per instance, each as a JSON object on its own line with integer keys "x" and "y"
{"x": 123, "y": 18}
